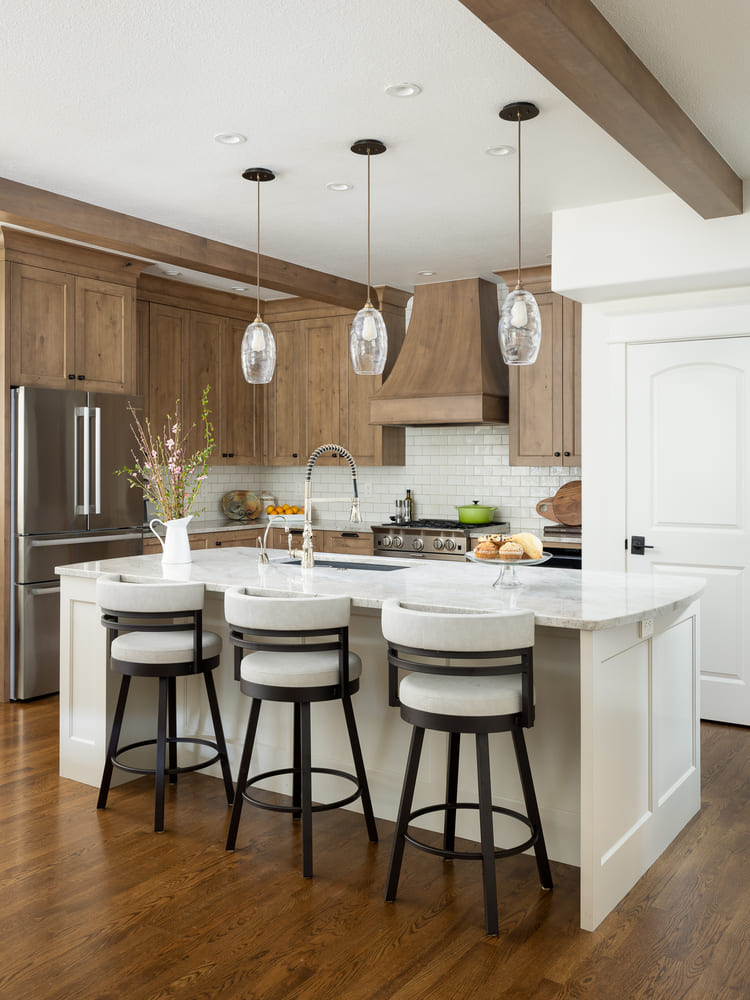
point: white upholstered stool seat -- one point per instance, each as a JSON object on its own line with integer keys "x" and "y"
{"x": 470, "y": 696}
{"x": 156, "y": 631}
{"x": 466, "y": 672}
{"x": 313, "y": 669}
{"x": 157, "y": 648}
{"x": 295, "y": 649}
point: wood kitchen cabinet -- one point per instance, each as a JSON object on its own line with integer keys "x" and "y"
{"x": 190, "y": 348}
{"x": 209, "y": 540}
{"x": 315, "y": 396}
{"x": 545, "y": 398}
{"x": 72, "y": 315}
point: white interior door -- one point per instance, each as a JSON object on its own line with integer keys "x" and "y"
{"x": 688, "y": 431}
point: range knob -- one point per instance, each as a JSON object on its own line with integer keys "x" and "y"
{"x": 417, "y": 544}
{"x": 386, "y": 541}
{"x": 438, "y": 544}
{"x": 398, "y": 542}
{"x": 449, "y": 545}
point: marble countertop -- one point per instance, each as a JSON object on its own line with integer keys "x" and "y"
{"x": 562, "y": 598}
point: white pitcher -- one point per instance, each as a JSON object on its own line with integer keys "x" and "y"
{"x": 175, "y": 545}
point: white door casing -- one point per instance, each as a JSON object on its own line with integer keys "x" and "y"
{"x": 687, "y": 432}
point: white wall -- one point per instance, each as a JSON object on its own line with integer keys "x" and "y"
{"x": 444, "y": 466}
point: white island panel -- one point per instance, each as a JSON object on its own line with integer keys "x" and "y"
{"x": 614, "y": 751}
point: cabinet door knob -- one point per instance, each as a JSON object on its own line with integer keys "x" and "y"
{"x": 81, "y": 378}
{"x": 71, "y": 377}
{"x": 294, "y": 454}
{"x": 556, "y": 454}
{"x": 567, "y": 454}
{"x": 218, "y": 543}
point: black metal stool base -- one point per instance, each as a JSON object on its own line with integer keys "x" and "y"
{"x": 488, "y": 853}
{"x": 295, "y": 809}
{"x": 302, "y": 805}
{"x": 442, "y": 852}
{"x": 170, "y": 740}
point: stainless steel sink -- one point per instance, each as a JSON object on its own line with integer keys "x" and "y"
{"x": 331, "y": 564}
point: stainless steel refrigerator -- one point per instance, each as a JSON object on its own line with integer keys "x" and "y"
{"x": 68, "y": 506}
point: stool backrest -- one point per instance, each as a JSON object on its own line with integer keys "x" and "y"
{"x": 160, "y": 598}
{"x": 493, "y": 643}
{"x": 423, "y": 627}
{"x": 250, "y": 609}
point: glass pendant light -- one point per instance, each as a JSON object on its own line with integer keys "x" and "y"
{"x": 368, "y": 340}
{"x": 258, "y": 351}
{"x": 520, "y": 327}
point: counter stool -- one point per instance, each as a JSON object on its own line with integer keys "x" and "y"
{"x": 156, "y": 630}
{"x": 489, "y": 691}
{"x": 295, "y": 649}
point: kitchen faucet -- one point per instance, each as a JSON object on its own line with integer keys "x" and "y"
{"x": 263, "y": 544}
{"x": 354, "y": 516}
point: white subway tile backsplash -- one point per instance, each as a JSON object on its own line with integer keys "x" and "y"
{"x": 445, "y": 466}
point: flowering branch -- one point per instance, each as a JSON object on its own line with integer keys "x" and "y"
{"x": 168, "y": 476}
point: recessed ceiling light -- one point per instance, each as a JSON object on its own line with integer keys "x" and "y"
{"x": 339, "y": 186}
{"x": 230, "y": 138}
{"x": 403, "y": 90}
{"x": 239, "y": 288}
{"x": 500, "y": 150}
{"x": 172, "y": 273}
{"x": 426, "y": 273}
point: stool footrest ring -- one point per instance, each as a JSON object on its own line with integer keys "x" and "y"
{"x": 320, "y": 807}
{"x": 500, "y": 852}
{"x": 183, "y": 769}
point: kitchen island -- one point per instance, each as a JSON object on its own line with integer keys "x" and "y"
{"x": 615, "y": 750}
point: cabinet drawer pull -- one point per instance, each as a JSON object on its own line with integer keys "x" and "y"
{"x": 350, "y": 534}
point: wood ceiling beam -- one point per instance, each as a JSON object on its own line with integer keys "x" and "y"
{"x": 58, "y": 215}
{"x": 572, "y": 45}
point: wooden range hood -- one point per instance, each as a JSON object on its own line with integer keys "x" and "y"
{"x": 449, "y": 370}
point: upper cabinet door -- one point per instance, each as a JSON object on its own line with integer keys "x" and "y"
{"x": 326, "y": 386}
{"x": 536, "y": 408}
{"x": 42, "y": 320}
{"x": 200, "y": 368}
{"x": 167, "y": 329}
{"x": 240, "y": 404}
{"x": 105, "y": 343}
{"x": 286, "y": 409}
{"x": 545, "y": 398}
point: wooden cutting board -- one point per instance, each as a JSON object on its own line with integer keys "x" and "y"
{"x": 565, "y": 506}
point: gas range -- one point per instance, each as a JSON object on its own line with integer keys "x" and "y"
{"x": 430, "y": 539}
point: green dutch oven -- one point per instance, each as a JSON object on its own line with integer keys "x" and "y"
{"x": 475, "y": 513}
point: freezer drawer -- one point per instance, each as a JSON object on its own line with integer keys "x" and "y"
{"x": 37, "y": 555}
{"x": 36, "y": 641}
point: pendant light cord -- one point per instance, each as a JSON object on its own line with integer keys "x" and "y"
{"x": 369, "y": 302}
{"x": 518, "y": 285}
{"x": 257, "y": 258}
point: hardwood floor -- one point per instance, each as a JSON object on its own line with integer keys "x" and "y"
{"x": 94, "y": 905}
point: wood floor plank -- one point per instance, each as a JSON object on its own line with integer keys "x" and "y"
{"x": 95, "y": 906}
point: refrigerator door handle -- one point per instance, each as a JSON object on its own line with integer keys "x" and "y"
{"x": 43, "y": 591}
{"x": 81, "y": 461}
{"x": 97, "y": 506}
{"x": 43, "y": 543}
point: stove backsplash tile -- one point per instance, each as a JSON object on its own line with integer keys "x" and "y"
{"x": 445, "y": 467}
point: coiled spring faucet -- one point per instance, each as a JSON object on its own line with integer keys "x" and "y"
{"x": 308, "y": 559}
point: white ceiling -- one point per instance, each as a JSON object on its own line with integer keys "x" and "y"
{"x": 117, "y": 103}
